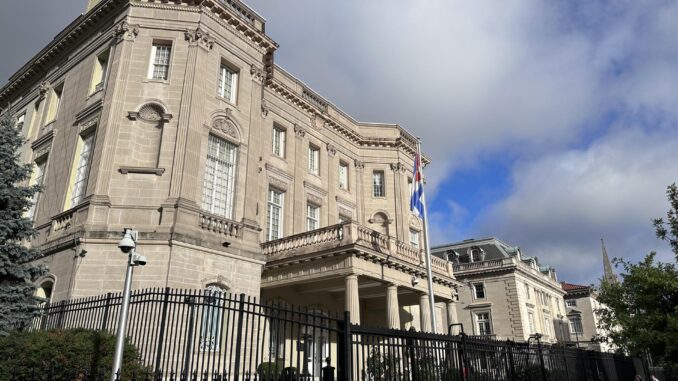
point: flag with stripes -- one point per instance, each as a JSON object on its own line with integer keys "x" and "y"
{"x": 416, "y": 201}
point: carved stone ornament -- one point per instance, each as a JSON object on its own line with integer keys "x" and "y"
{"x": 264, "y": 108}
{"x": 126, "y": 31}
{"x": 345, "y": 212}
{"x": 150, "y": 113}
{"x": 258, "y": 75}
{"x": 331, "y": 149}
{"x": 199, "y": 37}
{"x": 359, "y": 165}
{"x": 42, "y": 89}
{"x": 225, "y": 126}
{"x": 314, "y": 199}
{"x": 277, "y": 183}
{"x": 397, "y": 167}
{"x": 299, "y": 131}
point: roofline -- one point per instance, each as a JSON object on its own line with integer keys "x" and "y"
{"x": 470, "y": 242}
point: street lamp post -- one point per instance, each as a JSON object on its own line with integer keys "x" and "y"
{"x": 127, "y": 245}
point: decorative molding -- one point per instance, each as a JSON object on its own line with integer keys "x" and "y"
{"x": 359, "y": 165}
{"x": 277, "y": 183}
{"x": 150, "y": 112}
{"x": 345, "y": 212}
{"x": 43, "y": 88}
{"x": 226, "y": 126}
{"x": 277, "y": 172}
{"x": 258, "y": 75}
{"x": 398, "y": 167}
{"x": 264, "y": 108}
{"x": 314, "y": 199}
{"x": 42, "y": 145}
{"x": 200, "y": 38}
{"x": 144, "y": 170}
{"x": 219, "y": 280}
{"x": 331, "y": 149}
{"x": 414, "y": 221}
{"x": 299, "y": 131}
{"x": 312, "y": 188}
{"x": 126, "y": 31}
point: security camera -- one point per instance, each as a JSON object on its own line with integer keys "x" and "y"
{"x": 139, "y": 259}
{"x": 127, "y": 243}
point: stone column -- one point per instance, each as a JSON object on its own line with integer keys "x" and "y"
{"x": 451, "y": 313}
{"x": 392, "y": 306}
{"x": 424, "y": 313}
{"x": 353, "y": 298}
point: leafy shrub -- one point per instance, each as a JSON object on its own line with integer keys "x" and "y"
{"x": 64, "y": 353}
{"x": 269, "y": 371}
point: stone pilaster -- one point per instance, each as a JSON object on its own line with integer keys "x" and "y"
{"x": 452, "y": 313}
{"x": 353, "y": 298}
{"x": 425, "y": 313}
{"x": 360, "y": 191}
{"x": 392, "y": 306}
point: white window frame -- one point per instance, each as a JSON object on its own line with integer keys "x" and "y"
{"x": 531, "y": 322}
{"x": 228, "y": 74}
{"x": 486, "y": 321}
{"x": 20, "y": 122}
{"x": 475, "y": 291}
{"x": 571, "y": 302}
{"x": 343, "y": 175}
{"x": 378, "y": 184}
{"x": 547, "y": 325}
{"x": 38, "y": 178}
{"x": 312, "y": 217}
{"x": 54, "y": 103}
{"x": 575, "y": 322}
{"x": 81, "y": 174}
{"x": 278, "y": 141}
{"x": 219, "y": 180}
{"x": 212, "y": 317}
{"x": 154, "y": 58}
{"x": 314, "y": 160}
{"x": 99, "y": 72}
{"x": 274, "y": 232}
{"x": 414, "y": 238}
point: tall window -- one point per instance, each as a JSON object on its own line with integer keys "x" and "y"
{"x": 530, "y": 321}
{"x": 275, "y": 214}
{"x": 278, "y": 147}
{"x": 378, "y": 184}
{"x": 414, "y": 238}
{"x": 314, "y": 160}
{"x": 483, "y": 323}
{"x": 219, "y": 183}
{"x": 575, "y": 324}
{"x": 547, "y": 325}
{"x": 479, "y": 291}
{"x": 571, "y": 302}
{"x": 343, "y": 175}
{"x": 476, "y": 255}
{"x": 20, "y": 122}
{"x": 312, "y": 217}
{"x": 160, "y": 61}
{"x": 82, "y": 170}
{"x": 54, "y": 103}
{"x": 212, "y": 313}
{"x": 228, "y": 83}
{"x": 38, "y": 177}
{"x": 99, "y": 72}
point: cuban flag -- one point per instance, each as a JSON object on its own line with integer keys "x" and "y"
{"x": 416, "y": 201}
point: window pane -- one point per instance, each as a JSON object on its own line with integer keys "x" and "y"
{"x": 212, "y": 316}
{"x": 275, "y": 208}
{"x": 378, "y": 184}
{"x": 227, "y": 79}
{"x": 82, "y": 172}
{"x": 312, "y": 217}
{"x": 161, "y": 61}
{"x": 219, "y": 182}
{"x": 343, "y": 176}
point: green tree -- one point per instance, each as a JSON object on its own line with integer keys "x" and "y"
{"x": 641, "y": 314}
{"x": 17, "y": 272}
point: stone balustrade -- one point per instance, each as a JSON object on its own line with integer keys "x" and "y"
{"x": 62, "y": 221}
{"x": 333, "y": 233}
{"x": 220, "y": 225}
{"x": 483, "y": 264}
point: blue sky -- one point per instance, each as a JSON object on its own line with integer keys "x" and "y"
{"x": 550, "y": 124}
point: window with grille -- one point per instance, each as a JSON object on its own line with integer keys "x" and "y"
{"x": 475, "y": 255}
{"x": 479, "y": 290}
{"x": 343, "y": 176}
{"x": 212, "y": 316}
{"x": 228, "y": 83}
{"x": 571, "y": 303}
{"x": 414, "y": 238}
{"x": 312, "y": 217}
{"x": 79, "y": 186}
{"x": 275, "y": 214}
{"x": 160, "y": 61}
{"x": 219, "y": 182}
{"x": 313, "y": 160}
{"x": 378, "y": 184}
{"x": 278, "y": 147}
{"x": 575, "y": 324}
{"x": 38, "y": 179}
{"x": 483, "y": 323}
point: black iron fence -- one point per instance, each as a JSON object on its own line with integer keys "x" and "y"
{"x": 206, "y": 335}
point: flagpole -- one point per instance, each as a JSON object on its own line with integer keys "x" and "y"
{"x": 431, "y": 298}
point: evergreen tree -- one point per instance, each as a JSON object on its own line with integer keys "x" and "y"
{"x": 17, "y": 273}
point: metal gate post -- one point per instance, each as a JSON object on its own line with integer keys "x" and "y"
{"x": 344, "y": 349}
{"x": 238, "y": 340}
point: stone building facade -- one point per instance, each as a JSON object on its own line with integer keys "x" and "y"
{"x": 172, "y": 118}
{"x": 505, "y": 294}
{"x": 581, "y": 306}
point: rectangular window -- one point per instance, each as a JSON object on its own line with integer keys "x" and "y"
{"x": 378, "y": 184}
{"x": 228, "y": 83}
{"x": 278, "y": 147}
{"x": 79, "y": 186}
{"x": 20, "y": 120}
{"x": 275, "y": 214}
{"x": 99, "y": 72}
{"x": 54, "y": 103}
{"x": 343, "y": 176}
{"x": 479, "y": 291}
{"x": 219, "y": 182}
{"x": 37, "y": 178}
{"x": 575, "y": 325}
{"x": 483, "y": 323}
{"x": 312, "y": 217}
{"x": 212, "y": 316}
{"x": 547, "y": 325}
{"x": 414, "y": 238}
{"x": 530, "y": 321}
{"x": 160, "y": 61}
{"x": 313, "y": 160}
{"x": 571, "y": 302}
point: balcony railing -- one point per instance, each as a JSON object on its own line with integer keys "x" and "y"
{"x": 483, "y": 264}
{"x": 345, "y": 234}
{"x": 220, "y": 225}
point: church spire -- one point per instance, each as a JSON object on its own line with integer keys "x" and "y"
{"x": 609, "y": 274}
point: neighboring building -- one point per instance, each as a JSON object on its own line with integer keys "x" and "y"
{"x": 505, "y": 294}
{"x": 171, "y": 117}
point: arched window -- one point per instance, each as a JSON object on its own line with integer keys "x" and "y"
{"x": 44, "y": 291}
{"x": 213, "y": 300}
{"x": 380, "y": 223}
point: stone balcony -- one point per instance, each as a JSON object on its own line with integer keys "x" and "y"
{"x": 351, "y": 236}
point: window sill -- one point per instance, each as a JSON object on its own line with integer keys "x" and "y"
{"x": 143, "y": 170}
{"x": 480, "y": 305}
{"x": 227, "y": 101}
{"x": 160, "y": 81}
